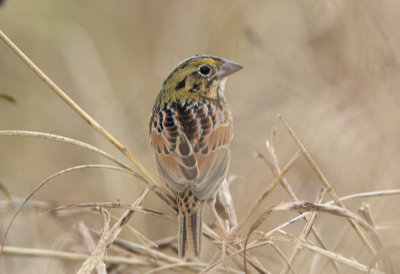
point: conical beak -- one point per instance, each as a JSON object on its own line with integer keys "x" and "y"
{"x": 227, "y": 68}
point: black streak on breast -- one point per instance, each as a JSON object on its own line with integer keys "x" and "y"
{"x": 187, "y": 120}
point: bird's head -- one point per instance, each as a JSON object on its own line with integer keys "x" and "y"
{"x": 198, "y": 77}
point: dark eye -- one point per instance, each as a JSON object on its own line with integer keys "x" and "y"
{"x": 204, "y": 70}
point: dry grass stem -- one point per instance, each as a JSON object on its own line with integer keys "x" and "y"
{"x": 95, "y": 260}
{"x": 142, "y": 250}
{"x": 62, "y": 255}
{"x": 371, "y": 194}
{"x": 109, "y": 236}
{"x": 257, "y": 267}
{"x": 95, "y": 257}
{"x": 146, "y": 243}
{"x": 100, "y": 207}
{"x": 31, "y": 205}
{"x": 224, "y": 197}
{"x": 305, "y": 233}
{"x": 267, "y": 191}
{"x": 274, "y": 164}
{"x": 177, "y": 266}
{"x": 162, "y": 192}
{"x": 340, "y": 259}
{"x": 114, "y": 205}
{"x": 63, "y": 139}
{"x": 331, "y": 209}
{"x": 365, "y": 213}
{"x": 342, "y": 103}
{"x": 326, "y": 184}
{"x": 383, "y": 254}
{"x": 89, "y": 242}
{"x": 54, "y": 87}
{"x": 51, "y": 177}
{"x": 388, "y": 225}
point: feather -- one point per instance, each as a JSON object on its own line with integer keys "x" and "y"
{"x": 191, "y": 144}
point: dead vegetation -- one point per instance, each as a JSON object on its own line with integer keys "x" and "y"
{"x": 295, "y": 243}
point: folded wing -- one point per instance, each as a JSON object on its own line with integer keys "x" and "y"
{"x": 191, "y": 144}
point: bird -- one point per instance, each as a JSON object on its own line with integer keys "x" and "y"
{"x": 190, "y": 133}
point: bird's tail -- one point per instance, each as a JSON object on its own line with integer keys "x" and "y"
{"x": 190, "y": 220}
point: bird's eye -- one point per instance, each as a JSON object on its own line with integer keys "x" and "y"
{"x": 204, "y": 70}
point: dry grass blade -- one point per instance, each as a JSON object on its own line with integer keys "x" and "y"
{"x": 147, "y": 243}
{"x": 224, "y": 198}
{"x": 388, "y": 225}
{"x": 288, "y": 264}
{"x": 314, "y": 263}
{"x": 305, "y": 233}
{"x": 231, "y": 250}
{"x": 210, "y": 267}
{"x": 62, "y": 255}
{"x": 87, "y": 237}
{"x": 95, "y": 260}
{"x": 274, "y": 164}
{"x": 142, "y": 250}
{"x": 268, "y": 190}
{"x": 384, "y": 252}
{"x": 107, "y": 238}
{"x": 331, "y": 209}
{"x": 109, "y": 205}
{"x": 58, "y": 138}
{"x": 365, "y": 212}
{"x": 340, "y": 258}
{"x": 161, "y": 191}
{"x": 177, "y": 266}
{"x": 260, "y": 199}
{"x": 370, "y": 194}
{"x": 89, "y": 242}
{"x": 77, "y": 108}
{"x": 326, "y": 184}
{"x": 97, "y": 206}
{"x": 38, "y": 187}
{"x": 32, "y": 205}
{"x": 344, "y": 198}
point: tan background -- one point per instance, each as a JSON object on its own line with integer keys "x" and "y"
{"x": 331, "y": 68}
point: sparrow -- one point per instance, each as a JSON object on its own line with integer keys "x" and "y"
{"x": 190, "y": 133}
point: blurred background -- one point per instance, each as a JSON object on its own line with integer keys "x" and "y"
{"x": 331, "y": 68}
